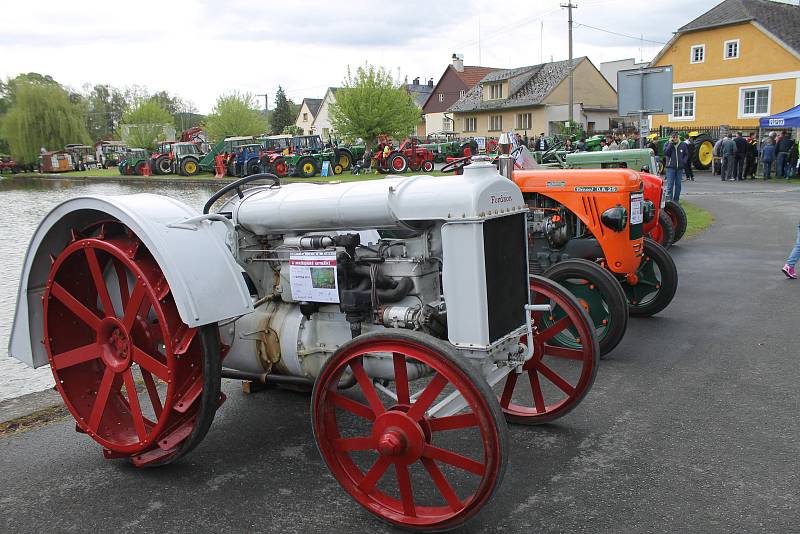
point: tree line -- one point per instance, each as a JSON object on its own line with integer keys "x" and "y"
{"x": 37, "y": 111}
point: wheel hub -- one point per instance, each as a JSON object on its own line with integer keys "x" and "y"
{"x": 398, "y": 438}
{"x": 115, "y": 342}
{"x": 392, "y": 443}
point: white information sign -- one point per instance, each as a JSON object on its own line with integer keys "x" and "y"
{"x": 636, "y": 208}
{"x": 313, "y": 276}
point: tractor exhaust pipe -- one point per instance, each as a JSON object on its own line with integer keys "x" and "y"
{"x": 505, "y": 163}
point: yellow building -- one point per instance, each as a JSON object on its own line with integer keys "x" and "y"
{"x": 734, "y": 64}
{"x": 535, "y": 99}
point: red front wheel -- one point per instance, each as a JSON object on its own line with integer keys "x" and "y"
{"x": 559, "y": 375}
{"x": 397, "y": 451}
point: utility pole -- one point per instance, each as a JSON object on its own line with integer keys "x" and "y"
{"x": 570, "y": 6}
{"x": 266, "y": 102}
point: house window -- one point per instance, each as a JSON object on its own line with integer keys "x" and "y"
{"x": 683, "y": 106}
{"x": 441, "y": 97}
{"x": 731, "y": 49}
{"x": 447, "y": 124}
{"x": 495, "y": 123}
{"x": 305, "y": 117}
{"x": 471, "y": 124}
{"x": 495, "y": 91}
{"x": 523, "y": 121}
{"x": 754, "y": 101}
{"x": 698, "y": 54}
{"x": 461, "y": 93}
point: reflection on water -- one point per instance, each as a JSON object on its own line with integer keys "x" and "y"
{"x": 25, "y": 202}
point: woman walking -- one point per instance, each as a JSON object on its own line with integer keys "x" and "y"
{"x": 789, "y": 267}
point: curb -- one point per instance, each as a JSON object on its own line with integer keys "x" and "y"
{"x": 29, "y": 410}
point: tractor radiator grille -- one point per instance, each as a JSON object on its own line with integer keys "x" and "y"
{"x": 504, "y": 249}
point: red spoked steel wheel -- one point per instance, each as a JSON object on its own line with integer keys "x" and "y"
{"x": 556, "y": 379}
{"x": 110, "y": 325}
{"x": 281, "y": 168}
{"x": 409, "y": 468}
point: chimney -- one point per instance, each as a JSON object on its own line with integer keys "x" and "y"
{"x": 430, "y": 82}
{"x": 416, "y": 80}
{"x": 458, "y": 62}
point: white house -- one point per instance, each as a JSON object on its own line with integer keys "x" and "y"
{"x": 322, "y": 123}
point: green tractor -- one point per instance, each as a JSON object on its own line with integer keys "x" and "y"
{"x": 134, "y": 162}
{"x": 308, "y": 155}
{"x": 703, "y": 156}
{"x": 226, "y": 146}
{"x": 451, "y": 148}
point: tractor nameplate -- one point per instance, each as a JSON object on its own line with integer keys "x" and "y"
{"x": 556, "y": 184}
{"x": 596, "y": 189}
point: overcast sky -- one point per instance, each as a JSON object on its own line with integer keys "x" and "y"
{"x": 201, "y": 49}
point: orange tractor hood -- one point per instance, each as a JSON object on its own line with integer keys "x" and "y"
{"x": 546, "y": 180}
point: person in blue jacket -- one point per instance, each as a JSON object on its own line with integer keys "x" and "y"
{"x": 768, "y": 157}
{"x": 676, "y": 158}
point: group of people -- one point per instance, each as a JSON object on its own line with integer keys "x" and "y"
{"x": 740, "y": 156}
{"x": 619, "y": 141}
{"x": 783, "y": 152}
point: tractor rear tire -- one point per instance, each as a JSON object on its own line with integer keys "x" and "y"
{"x": 703, "y": 157}
{"x": 345, "y": 159}
{"x": 600, "y": 294}
{"x": 139, "y": 169}
{"x": 664, "y": 231}
{"x": 189, "y": 167}
{"x": 679, "y": 220}
{"x": 652, "y": 291}
{"x": 398, "y": 163}
{"x": 253, "y": 167}
{"x": 306, "y": 168}
{"x": 161, "y": 165}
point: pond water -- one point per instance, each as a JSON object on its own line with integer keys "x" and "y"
{"x": 25, "y": 202}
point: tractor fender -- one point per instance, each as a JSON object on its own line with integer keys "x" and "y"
{"x": 206, "y": 282}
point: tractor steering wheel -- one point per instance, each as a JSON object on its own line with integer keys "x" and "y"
{"x": 457, "y": 164}
{"x": 237, "y": 186}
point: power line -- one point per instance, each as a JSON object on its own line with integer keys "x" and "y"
{"x": 617, "y": 33}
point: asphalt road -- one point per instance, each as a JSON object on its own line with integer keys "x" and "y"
{"x": 692, "y": 425}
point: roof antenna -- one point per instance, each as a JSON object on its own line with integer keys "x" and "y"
{"x": 480, "y": 62}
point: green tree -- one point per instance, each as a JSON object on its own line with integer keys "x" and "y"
{"x": 292, "y": 130}
{"x": 8, "y": 89}
{"x": 282, "y": 116}
{"x": 105, "y": 106}
{"x": 235, "y": 114}
{"x": 371, "y": 103}
{"x": 41, "y": 116}
{"x": 146, "y": 122}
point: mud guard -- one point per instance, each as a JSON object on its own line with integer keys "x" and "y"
{"x": 206, "y": 281}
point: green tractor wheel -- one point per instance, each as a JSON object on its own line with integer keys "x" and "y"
{"x": 306, "y": 167}
{"x": 345, "y": 159}
{"x": 653, "y": 286}
{"x": 600, "y": 294}
{"x": 189, "y": 167}
{"x": 703, "y": 152}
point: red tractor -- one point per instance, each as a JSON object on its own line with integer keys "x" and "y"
{"x": 410, "y": 155}
{"x": 8, "y": 164}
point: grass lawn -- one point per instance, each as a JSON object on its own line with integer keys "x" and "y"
{"x": 698, "y": 218}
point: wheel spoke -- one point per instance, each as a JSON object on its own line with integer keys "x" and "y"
{"x": 150, "y": 364}
{"x": 553, "y": 377}
{"x": 122, "y": 279}
{"x": 562, "y": 352}
{"x": 367, "y": 388}
{"x": 374, "y": 474}
{"x": 152, "y": 392}
{"x": 134, "y": 303}
{"x": 75, "y": 306}
{"x": 76, "y": 356}
{"x": 454, "y": 459}
{"x": 646, "y": 282}
{"x": 133, "y": 402}
{"x": 354, "y": 444}
{"x": 453, "y": 422}
{"x": 99, "y": 282}
{"x": 101, "y": 399}
{"x": 430, "y": 393}
{"x": 401, "y": 378}
{"x": 557, "y": 327}
{"x": 406, "y": 490}
{"x": 508, "y": 390}
{"x": 348, "y": 404}
{"x": 442, "y": 485}
{"x": 536, "y": 389}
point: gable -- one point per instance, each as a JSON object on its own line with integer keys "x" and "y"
{"x": 590, "y": 87}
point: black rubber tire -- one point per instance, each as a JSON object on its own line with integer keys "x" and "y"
{"x": 667, "y": 230}
{"x": 427, "y": 166}
{"x": 616, "y": 302}
{"x": 345, "y": 159}
{"x": 679, "y": 219}
{"x": 253, "y": 166}
{"x": 185, "y": 163}
{"x": 668, "y": 285}
{"x": 301, "y": 163}
{"x": 161, "y": 165}
{"x": 698, "y": 141}
{"x": 397, "y": 156}
{"x": 139, "y": 169}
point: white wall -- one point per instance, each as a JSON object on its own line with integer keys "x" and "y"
{"x": 322, "y": 122}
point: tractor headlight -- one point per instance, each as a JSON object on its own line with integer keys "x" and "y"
{"x": 615, "y": 218}
{"x": 648, "y": 211}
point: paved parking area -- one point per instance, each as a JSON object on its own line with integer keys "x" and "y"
{"x": 693, "y": 425}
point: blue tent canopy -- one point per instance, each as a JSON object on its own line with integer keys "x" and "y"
{"x": 785, "y": 119}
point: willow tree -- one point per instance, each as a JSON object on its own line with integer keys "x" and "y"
{"x": 146, "y": 122}
{"x": 235, "y": 114}
{"x": 370, "y": 103}
{"x": 41, "y": 116}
